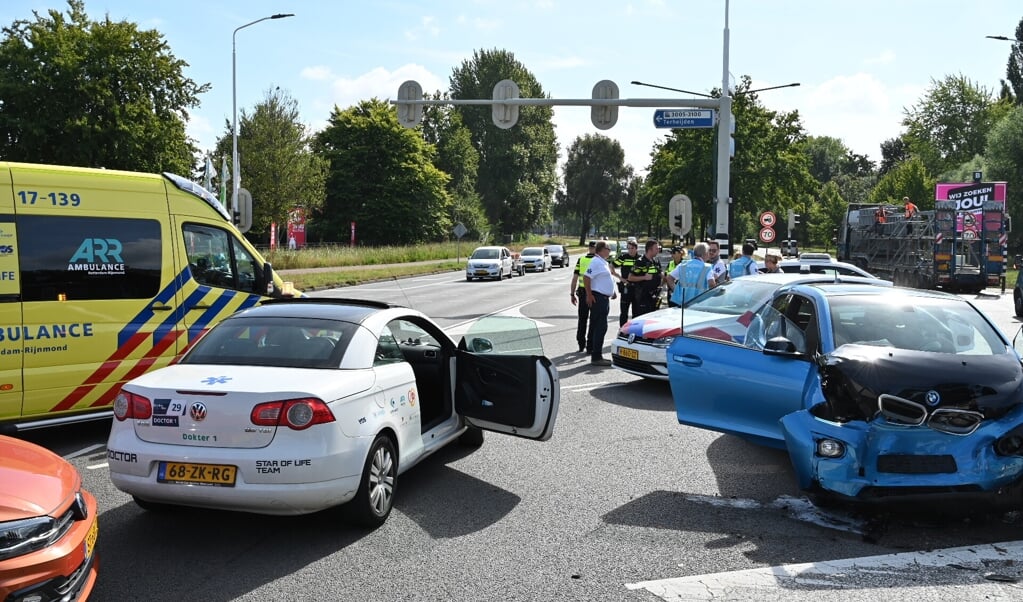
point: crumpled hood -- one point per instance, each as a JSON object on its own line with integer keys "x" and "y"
{"x": 853, "y": 376}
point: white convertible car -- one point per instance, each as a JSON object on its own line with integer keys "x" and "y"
{"x": 295, "y": 406}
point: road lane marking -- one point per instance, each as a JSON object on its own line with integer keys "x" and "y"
{"x": 97, "y": 466}
{"x": 899, "y": 570}
{"x": 84, "y": 450}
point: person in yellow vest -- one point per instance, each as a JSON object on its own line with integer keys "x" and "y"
{"x": 578, "y": 291}
{"x": 678, "y": 255}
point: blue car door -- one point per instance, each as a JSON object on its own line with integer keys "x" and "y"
{"x": 744, "y": 389}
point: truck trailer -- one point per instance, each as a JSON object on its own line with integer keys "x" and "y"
{"x": 958, "y": 246}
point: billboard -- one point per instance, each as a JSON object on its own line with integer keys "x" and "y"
{"x": 970, "y": 198}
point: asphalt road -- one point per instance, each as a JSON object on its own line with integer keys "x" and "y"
{"x": 622, "y": 503}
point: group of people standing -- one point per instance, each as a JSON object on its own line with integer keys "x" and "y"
{"x": 639, "y": 279}
{"x": 593, "y": 288}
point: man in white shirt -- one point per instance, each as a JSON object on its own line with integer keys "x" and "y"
{"x": 600, "y": 289}
{"x": 717, "y": 264}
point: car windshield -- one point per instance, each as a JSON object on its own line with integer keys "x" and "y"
{"x": 532, "y": 251}
{"x": 554, "y": 248}
{"x": 278, "y": 342}
{"x": 914, "y": 323}
{"x": 735, "y": 297}
{"x": 484, "y": 254}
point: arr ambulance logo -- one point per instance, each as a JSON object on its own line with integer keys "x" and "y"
{"x": 6, "y": 249}
{"x": 98, "y": 256}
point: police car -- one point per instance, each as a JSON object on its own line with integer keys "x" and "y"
{"x": 293, "y": 407}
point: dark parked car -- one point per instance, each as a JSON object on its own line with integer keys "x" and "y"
{"x": 559, "y": 256}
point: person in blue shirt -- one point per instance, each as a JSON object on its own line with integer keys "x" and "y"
{"x": 691, "y": 277}
{"x": 744, "y": 265}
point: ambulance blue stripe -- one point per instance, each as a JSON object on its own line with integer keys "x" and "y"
{"x": 178, "y": 314}
{"x": 210, "y": 314}
{"x": 142, "y": 318}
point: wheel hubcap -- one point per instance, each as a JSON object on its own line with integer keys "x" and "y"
{"x": 381, "y": 481}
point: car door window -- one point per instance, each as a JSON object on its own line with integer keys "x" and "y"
{"x": 217, "y": 258}
{"x": 388, "y": 351}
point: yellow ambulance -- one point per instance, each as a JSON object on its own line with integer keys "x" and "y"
{"x": 104, "y": 275}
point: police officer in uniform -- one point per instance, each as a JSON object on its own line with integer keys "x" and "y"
{"x": 578, "y": 293}
{"x": 646, "y": 280}
{"x": 624, "y": 262}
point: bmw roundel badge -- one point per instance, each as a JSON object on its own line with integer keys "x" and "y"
{"x": 933, "y": 398}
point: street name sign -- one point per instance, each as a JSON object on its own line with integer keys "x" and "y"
{"x": 684, "y": 118}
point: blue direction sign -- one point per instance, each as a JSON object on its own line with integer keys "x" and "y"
{"x": 684, "y": 118}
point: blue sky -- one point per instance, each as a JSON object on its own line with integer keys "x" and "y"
{"x": 859, "y": 63}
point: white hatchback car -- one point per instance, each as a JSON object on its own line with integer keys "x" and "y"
{"x": 537, "y": 259}
{"x": 292, "y": 407}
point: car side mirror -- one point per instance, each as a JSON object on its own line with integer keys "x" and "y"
{"x": 779, "y": 346}
{"x": 480, "y": 345}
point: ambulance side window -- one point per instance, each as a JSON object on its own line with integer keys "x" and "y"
{"x": 217, "y": 258}
{"x": 82, "y": 258}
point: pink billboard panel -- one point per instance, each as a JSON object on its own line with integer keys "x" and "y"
{"x": 970, "y": 197}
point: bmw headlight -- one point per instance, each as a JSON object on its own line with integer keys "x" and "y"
{"x": 20, "y": 537}
{"x": 830, "y": 448}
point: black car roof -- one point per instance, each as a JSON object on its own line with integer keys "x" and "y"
{"x": 331, "y": 308}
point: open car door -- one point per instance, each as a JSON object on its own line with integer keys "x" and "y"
{"x": 503, "y": 382}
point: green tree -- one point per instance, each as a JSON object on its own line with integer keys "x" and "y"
{"x": 1004, "y": 155}
{"x": 517, "y": 173}
{"x": 456, "y": 156}
{"x": 93, "y": 93}
{"x": 828, "y": 157}
{"x": 277, "y": 164}
{"x": 910, "y": 178}
{"x": 596, "y": 180}
{"x": 827, "y": 213}
{"x": 950, "y": 124}
{"x": 1014, "y": 68}
{"x": 382, "y": 177}
{"x": 893, "y": 152}
{"x": 770, "y": 169}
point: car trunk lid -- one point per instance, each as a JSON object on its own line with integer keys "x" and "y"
{"x": 211, "y": 406}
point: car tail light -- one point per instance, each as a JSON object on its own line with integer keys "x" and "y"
{"x": 129, "y": 405}
{"x": 296, "y": 414}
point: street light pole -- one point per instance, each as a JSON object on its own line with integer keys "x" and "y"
{"x": 722, "y": 196}
{"x": 236, "y": 176}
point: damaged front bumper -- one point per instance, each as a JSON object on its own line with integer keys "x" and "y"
{"x": 876, "y": 462}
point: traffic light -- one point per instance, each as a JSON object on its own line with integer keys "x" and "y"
{"x": 678, "y": 222}
{"x": 793, "y": 219}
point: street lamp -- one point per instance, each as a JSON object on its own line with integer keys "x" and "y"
{"x": 636, "y": 83}
{"x": 792, "y": 85}
{"x": 236, "y": 176}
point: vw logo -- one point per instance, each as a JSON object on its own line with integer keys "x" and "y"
{"x": 933, "y": 398}
{"x": 197, "y": 411}
{"x": 632, "y": 338}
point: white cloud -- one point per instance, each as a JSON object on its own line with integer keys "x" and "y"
{"x": 382, "y": 83}
{"x": 427, "y": 27}
{"x": 317, "y": 73}
{"x": 886, "y": 57}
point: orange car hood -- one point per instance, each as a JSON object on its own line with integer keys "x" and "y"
{"x": 33, "y": 480}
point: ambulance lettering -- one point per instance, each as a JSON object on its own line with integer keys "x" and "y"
{"x": 46, "y": 331}
{"x": 100, "y": 256}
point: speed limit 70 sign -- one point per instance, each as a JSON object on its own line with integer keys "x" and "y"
{"x": 768, "y": 219}
{"x": 767, "y": 235}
